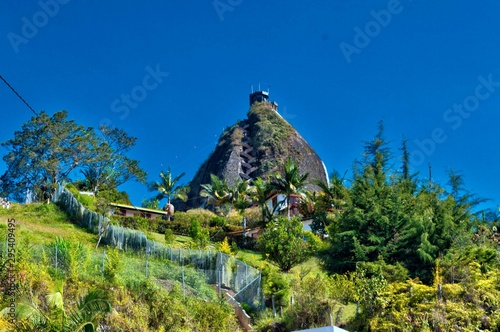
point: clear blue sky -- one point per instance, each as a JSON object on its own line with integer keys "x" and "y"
{"x": 428, "y": 69}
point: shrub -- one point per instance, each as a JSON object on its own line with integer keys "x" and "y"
{"x": 169, "y": 236}
{"x": 224, "y": 247}
{"x": 137, "y": 222}
{"x": 202, "y": 215}
{"x": 199, "y": 235}
{"x": 217, "y": 221}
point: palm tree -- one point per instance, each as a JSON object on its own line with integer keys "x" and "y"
{"x": 240, "y": 198}
{"x": 290, "y": 182}
{"x": 261, "y": 190}
{"x": 333, "y": 194}
{"x": 217, "y": 191}
{"x": 167, "y": 188}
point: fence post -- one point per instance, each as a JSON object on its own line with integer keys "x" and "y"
{"x": 220, "y": 274}
{"x": 102, "y": 266}
{"x": 183, "y": 284}
{"x": 147, "y": 263}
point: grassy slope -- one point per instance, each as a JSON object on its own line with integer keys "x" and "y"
{"x": 42, "y": 224}
{"x": 39, "y": 225}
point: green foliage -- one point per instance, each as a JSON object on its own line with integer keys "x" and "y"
{"x": 285, "y": 242}
{"x": 151, "y": 203}
{"x": 44, "y": 152}
{"x": 320, "y": 223}
{"x": 310, "y": 309}
{"x": 272, "y": 134}
{"x": 218, "y": 221}
{"x": 276, "y": 284}
{"x": 199, "y": 235}
{"x": 203, "y": 216}
{"x": 169, "y": 236}
{"x": 168, "y": 188}
{"x": 386, "y": 217}
{"x": 224, "y": 247}
{"x": 290, "y": 182}
{"x": 136, "y": 222}
{"x": 67, "y": 258}
{"x": 107, "y": 165}
{"x": 112, "y": 264}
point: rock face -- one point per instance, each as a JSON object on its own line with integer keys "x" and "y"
{"x": 256, "y": 147}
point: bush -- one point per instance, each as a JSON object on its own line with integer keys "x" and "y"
{"x": 178, "y": 227}
{"x": 199, "y": 234}
{"x": 169, "y": 236}
{"x": 137, "y": 222}
{"x": 202, "y": 215}
{"x": 217, "y": 221}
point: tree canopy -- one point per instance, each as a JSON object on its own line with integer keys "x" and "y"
{"x": 50, "y": 149}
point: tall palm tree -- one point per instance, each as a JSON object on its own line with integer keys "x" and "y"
{"x": 217, "y": 191}
{"x": 167, "y": 188}
{"x": 240, "y": 198}
{"x": 261, "y": 190}
{"x": 290, "y": 181}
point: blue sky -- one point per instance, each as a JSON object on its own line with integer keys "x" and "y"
{"x": 428, "y": 69}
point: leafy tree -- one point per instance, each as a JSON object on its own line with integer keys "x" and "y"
{"x": 42, "y": 154}
{"x": 168, "y": 188}
{"x": 107, "y": 163}
{"x": 290, "y": 182}
{"x": 286, "y": 243}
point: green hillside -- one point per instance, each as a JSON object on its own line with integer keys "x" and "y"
{"x": 48, "y": 293}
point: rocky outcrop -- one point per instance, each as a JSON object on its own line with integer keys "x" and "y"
{"x": 256, "y": 147}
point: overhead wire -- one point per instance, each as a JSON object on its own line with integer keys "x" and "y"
{"x": 63, "y": 141}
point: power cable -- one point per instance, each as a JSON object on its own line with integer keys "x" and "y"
{"x": 75, "y": 163}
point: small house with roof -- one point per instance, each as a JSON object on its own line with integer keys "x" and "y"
{"x": 133, "y": 211}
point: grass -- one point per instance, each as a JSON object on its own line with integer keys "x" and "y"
{"x": 252, "y": 258}
{"x": 180, "y": 240}
{"x": 43, "y": 223}
{"x": 40, "y": 224}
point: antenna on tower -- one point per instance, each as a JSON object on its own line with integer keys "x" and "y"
{"x": 252, "y": 88}
{"x": 259, "y": 86}
{"x": 268, "y": 88}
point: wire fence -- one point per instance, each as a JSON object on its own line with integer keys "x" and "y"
{"x": 229, "y": 274}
